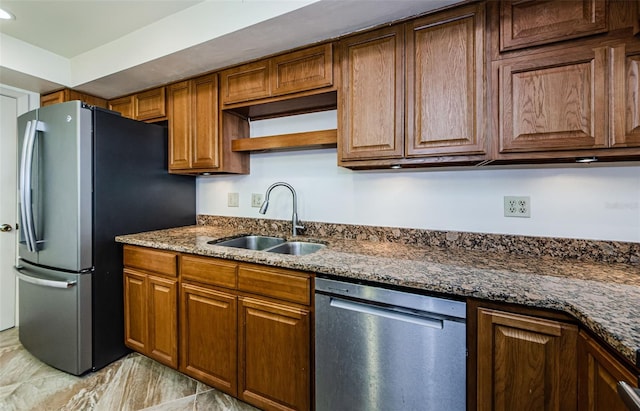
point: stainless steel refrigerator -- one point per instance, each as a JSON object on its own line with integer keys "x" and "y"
{"x": 86, "y": 175}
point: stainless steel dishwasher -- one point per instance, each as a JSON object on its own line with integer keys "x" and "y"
{"x": 380, "y": 349}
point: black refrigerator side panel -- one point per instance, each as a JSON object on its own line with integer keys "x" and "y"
{"x": 133, "y": 192}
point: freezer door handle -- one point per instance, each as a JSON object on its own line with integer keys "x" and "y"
{"x": 43, "y": 281}
{"x": 26, "y": 162}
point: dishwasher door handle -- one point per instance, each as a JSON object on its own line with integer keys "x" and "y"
{"x": 386, "y": 313}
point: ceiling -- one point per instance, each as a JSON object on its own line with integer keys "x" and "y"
{"x": 115, "y": 47}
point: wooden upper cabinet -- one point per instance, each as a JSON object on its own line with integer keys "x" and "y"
{"x": 145, "y": 106}
{"x": 70, "y": 95}
{"x": 123, "y": 105}
{"x": 193, "y": 125}
{"x": 247, "y": 82}
{"x": 52, "y": 98}
{"x": 179, "y": 112}
{"x": 556, "y": 101}
{"x": 371, "y": 98}
{"x": 302, "y": 70}
{"x": 204, "y": 129}
{"x": 525, "y": 363}
{"x": 598, "y": 377}
{"x": 296, "y": 72}
{"x": 198, "y": 143}
{"x": 624, "y": 108}
{"x": 150, "y": 104}
{"x": 534, "y": 22}
{"x": 445, "y": 83}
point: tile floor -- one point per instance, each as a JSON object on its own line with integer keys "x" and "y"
{"x": 134, "y": 382}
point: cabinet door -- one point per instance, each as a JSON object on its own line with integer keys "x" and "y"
{"x": 525, "y": 363}
{"x": 204, "y": 115}
{"x": 599, "y": 374}
{"x": 123, "y": 105}
{"x": 625, "y": 97}
{"x": 274, "y": 355}
{"x": 446, "y": 83}
{"x": 135, "y": 310}
{"x": 554, "y": 102}
{"x": 371, "y": 101}
{"x": 52, "y": 98}
{"x": 179, "y": 126}
{"x": 302, "y": 70}
{"x": 163, "y": 320}
{"x": 86, "y": 98}
{"x": 530, "y": 23}
{"x": 246, "y": 82}
{"x": 208, "y": 337}
{"x": 150, "y": 104}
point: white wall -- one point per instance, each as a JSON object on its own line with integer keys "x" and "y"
{"x": 583, "y": 201}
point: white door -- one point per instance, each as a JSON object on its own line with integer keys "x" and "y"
{"x": 12, "y": 104}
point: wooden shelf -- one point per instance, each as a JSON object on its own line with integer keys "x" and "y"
{"x": 311, "y": 139}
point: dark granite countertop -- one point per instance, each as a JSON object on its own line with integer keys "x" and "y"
{"x": 605, "y": 297}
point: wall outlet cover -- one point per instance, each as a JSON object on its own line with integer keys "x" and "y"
{"x": 256, "y": 200}
{"x": 233, "y": 200}
{"x": 515, "y": 206}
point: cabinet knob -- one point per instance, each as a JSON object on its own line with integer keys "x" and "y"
{"x": 6, "y": 227}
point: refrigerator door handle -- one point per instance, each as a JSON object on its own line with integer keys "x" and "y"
{"x": 26, "y": 161}
{"x": 43, "y": 281}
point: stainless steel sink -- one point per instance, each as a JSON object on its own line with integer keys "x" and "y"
{"x": 250, "y": 242}
{"x": 296, "y": 248}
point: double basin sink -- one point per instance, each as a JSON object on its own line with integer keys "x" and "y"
{"x": 269, "y": 244}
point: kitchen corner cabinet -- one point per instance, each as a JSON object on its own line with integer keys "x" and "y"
{"x": 246, "y": 329}
{"x": 525, "y": 362}
{"x": 195, "y": 144}
{"x": 147, "y": 106}
{"x": 301, "y": 71}
{"x": 438, "y": 63}
{"x": 150, "y": 303}
{"x": 599, "y": 373}
{"x": 70, "y": 95}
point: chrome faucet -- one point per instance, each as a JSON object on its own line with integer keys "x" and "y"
{"x": 294, "y": 218}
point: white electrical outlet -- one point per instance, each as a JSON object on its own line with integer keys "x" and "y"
{"x": 256, "y": 200}
{"x": 233, "y": 200}
{"x": 517, "y": 206}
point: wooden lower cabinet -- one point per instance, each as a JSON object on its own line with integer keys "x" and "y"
{"x": 599, "y": 373}
{"x": 525, "y": 363}
{"x": 274, "y": 355}
{"x": 151, "y": 316}
{"x": 151, "y": 303}
{"x": 163, "y": 320}
{"x": 135, "y": 313}
{"x": 208, "y": 336}
{"x": 245, "y": 329}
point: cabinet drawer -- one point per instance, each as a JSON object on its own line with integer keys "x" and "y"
{"x": 286, "y": 285}
{"x": 208, "y": 270}
{"x": 161, "y": 262}
{"x": 302, "y": 70}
